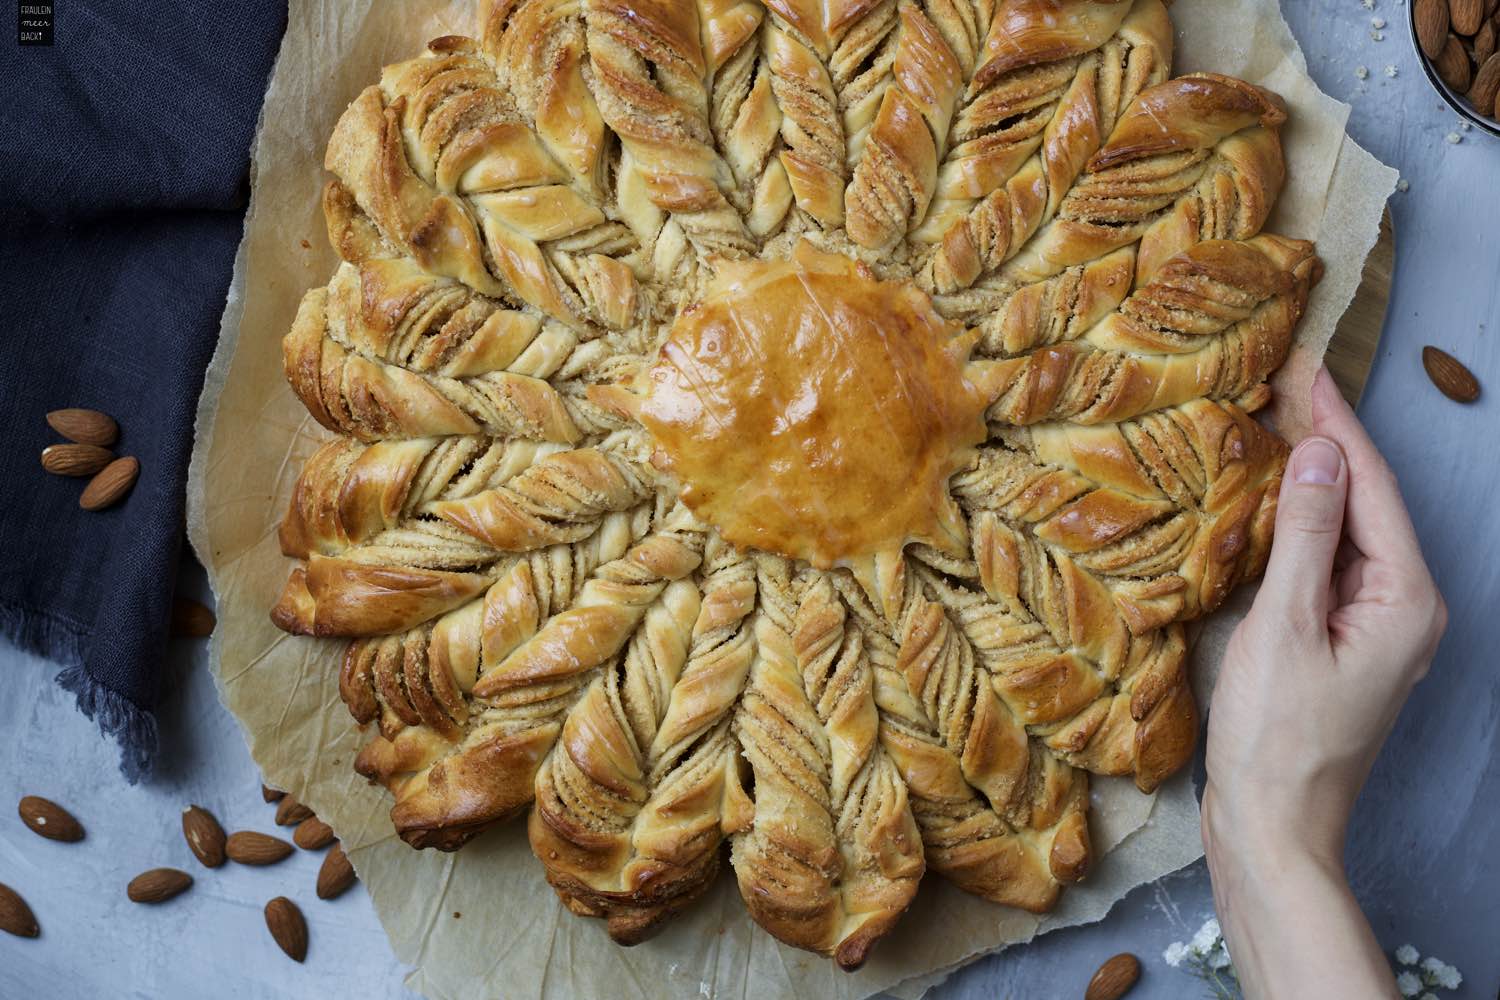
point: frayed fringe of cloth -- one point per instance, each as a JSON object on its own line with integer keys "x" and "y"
{"x": 42, "y": 635}
{"x": 132, "y": 728}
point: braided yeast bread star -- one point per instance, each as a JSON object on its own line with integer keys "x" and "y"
{"x": 789, "y": 434}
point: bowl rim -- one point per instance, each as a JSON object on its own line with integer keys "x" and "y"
{"x": 1448, "y": 94}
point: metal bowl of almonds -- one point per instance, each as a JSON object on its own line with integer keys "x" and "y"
{"x": 1458, "y": 44}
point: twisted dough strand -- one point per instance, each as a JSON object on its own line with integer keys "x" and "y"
{"x": 456, "y": 761}
{"x": 349, "y": 492}
{"x": 559, "y": 499}
{"x": 649, "y": 78}
{"x": 449, "y": 171}
{"x": 744, "y": 113}
{"x": 1214, "y": 322}
{"x": 1016, "y": 849}
{"x": 1211, "y": 174}
{"x": 830, "y": 856}
{"x": 370, "y": 399}
{"x": 812, "y": 134}
{"x": 632, "y": 805}
{"x": 1169, "y": 512}
{"x": 1056, "y": 80}
{"x": 898, "y": 155}
{"x": 370, "y": 573}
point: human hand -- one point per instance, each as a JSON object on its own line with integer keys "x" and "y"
{"x": 1345, "y": 623}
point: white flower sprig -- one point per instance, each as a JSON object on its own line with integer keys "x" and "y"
{"x": 1206, "y": 957}
{"x": 1419, "y": 974}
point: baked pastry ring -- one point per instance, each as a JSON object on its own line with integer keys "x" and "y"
{"x": 797, "y": 425}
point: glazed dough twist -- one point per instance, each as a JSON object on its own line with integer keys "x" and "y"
{"x": 1214, "y": 322}
{"x": 897, "y": 155}
{"x": 944, "y": 730}
{"x": 1055, "y": 79}
{"x": 371, "y": 572}
{"x": 830, "y": 855}
{"x": 634, "y": 802}
{"x": 457, "y": 766}
{"x": 650, "y": 80}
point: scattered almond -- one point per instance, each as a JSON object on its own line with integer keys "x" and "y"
{"x": 291, "y": 812}
{"x": 1114, "y": 978}
{"x": 1432, "y": 25}
{"x": 1465, "y": 15}
{"x": 312, "y": 834}
{"x": 336, "y": 875}
{"x": 111, "y": 484}
{"x": 158, "y": 885}
{"x": 270, "y": 794}
{"x": 287, "y": 927}
{"x": 1452, "y": 64}
{"x": 249, "y": 847}
{"x": 15, "y": 916}
{"x": 85, "y": 426}
{"x": 191, "y": 620}
{"x": 1449, "y": 375}
{"x": 75, "y": 459}
{"x": 204, "y": 835}
{"x": 50, "y": 820}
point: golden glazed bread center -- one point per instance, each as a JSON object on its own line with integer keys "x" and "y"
{"x": 813, "y": 411}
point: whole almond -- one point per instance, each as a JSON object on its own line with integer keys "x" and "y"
{"x": 110, "y": 484}
{"x": 1486, "y": 83}
{"x": 287, "y": 927}
{"x": 1452, "y": 378}
{"x": 204, "y": 835}
{"x": 1432, "y": 21}
{"x": 85, "y": 426}
{"x": 49, "y": 819}
{"x": 1484, "y": 43}
{"x": 336, "y": 875}
{"x": 1490, "y": 6}
{"x": 190, "y": 620}
{"x": 75, "y": 459}
{"x": 1452, "y": 64}
{"x": 270, "y": 794}
{"x": 291, "y": 812}
{"x": 1114, "y": 978}
{"x": 1465, "y": 15}
{"x": 158, "y": 885}
{"x": 15, "y": 916}
{"x": 251, "y": 848}
{"x": 312, "y": 834}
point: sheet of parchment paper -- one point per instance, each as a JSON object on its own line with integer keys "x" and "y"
{"x": 483, "y": 922}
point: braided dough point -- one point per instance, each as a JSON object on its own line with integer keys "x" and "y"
{"x": 792, "y": 432}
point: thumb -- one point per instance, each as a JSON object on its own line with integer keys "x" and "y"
{"x": 1309, "y": 523}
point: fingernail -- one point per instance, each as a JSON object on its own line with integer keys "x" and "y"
{"x": 1317, "y": 461}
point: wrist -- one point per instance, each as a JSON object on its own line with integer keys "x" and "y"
{"x": 1252, "y": 836}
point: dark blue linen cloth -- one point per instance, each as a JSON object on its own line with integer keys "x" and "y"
{"x": 124, "y": 159}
